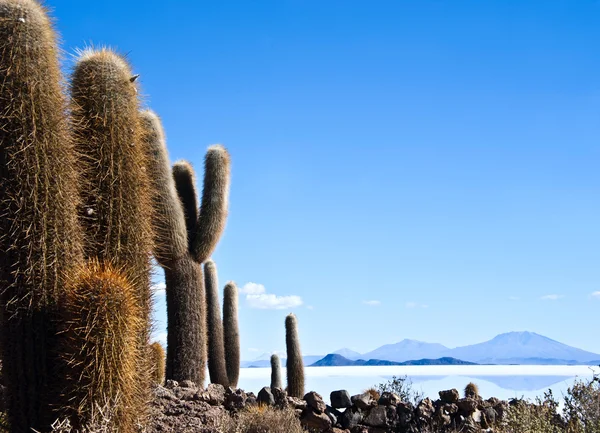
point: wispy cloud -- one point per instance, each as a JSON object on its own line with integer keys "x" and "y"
{"x": 595, "y": 295}
{"x": 159, "y": 288}
{"x": 552, "y": 297}
{"x": 257, "y": 297}
{"x": 372, "y": 303}
{"x": 514, "y": 298}
{"x": 415, "y": 305}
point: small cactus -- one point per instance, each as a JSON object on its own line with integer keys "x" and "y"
{"x": 294, "y": 363}
{"x": 102, "y": 320}
{"x": 231, "y": 334}
{"x": 157, "y": 357}
{"x": 471, "y": 390}
{"x": 276, "y": 372}
{"x": 216, "y": 347}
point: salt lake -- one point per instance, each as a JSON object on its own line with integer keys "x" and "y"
{"x": 502, "y": 381}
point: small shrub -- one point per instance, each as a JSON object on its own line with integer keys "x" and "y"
{"x": 582, "y": 406}
{"x": 403, "y": 387}
{"x": 262, "y": 419}
{"x": 540, "y": 416}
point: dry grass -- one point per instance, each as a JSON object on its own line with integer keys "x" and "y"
{"x": 262, "y": 419}
{"x": 374, "y": 393}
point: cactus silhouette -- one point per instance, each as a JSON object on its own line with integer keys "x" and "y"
{"x": 40, "y": 241}
{"x": 184, "y": 238}
{"x": 471, "y": 390}
{"x": 102, "y": 322}
{"x": 116, "y": 208}
{"x": 231, "y": 334}
{"x": 216, "y": 346}
{"x": 157, "y": 357}
{"x": 276, "y": 372}
{"x": 294, "y": 363}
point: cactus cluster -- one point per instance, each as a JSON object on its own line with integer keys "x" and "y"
{"x": 87, "y": 195}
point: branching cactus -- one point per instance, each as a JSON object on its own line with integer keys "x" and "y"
{"x": 40, "y": 239}
{"x": 116, "y": 210}
{"x": 184, "y": 238}
{"x": 102, "y": 323}
{"x": 294, "y": 363}
{"x": 231, "y": 334}
{"x": 217, "y": 368}
{"x": 276, "y": 372}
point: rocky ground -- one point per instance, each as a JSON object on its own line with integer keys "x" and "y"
{"x": 182, "y": 407}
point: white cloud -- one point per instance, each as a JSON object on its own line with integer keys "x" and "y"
{"x": 552, "y": 297}
{"x": 253, "y": 289}
{"x": 257, "y": 297}
{"x": 416, "y": 305}
{"x": 159, "y": 288}
{"x": 514, "y": 298}
{"x": 595, "y": 295}
{"x": 372, "y": 303}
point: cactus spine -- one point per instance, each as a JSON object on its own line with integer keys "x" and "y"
{"x": 177, "y": 218}
{"x": 294, "y": 363}
{"x": 471, "y": 390}
{"x": 157, "y": 357}
{"x": 231, "y": 334}
{"x": 276, "y": 372}
{"x": 116, "y": 207}
{"x": 39, "y": 233}
{"x": 102, "y": 321}
{"x": 216, "y": 346}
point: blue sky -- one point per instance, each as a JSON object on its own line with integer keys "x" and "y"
{"x": 400, "y": 169}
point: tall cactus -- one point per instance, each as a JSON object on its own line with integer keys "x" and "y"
{"x": 185, "y": 236}
{"x": 40, "y": 241}
{"x": 276, "y": 372}
{"x": 217, "y": 368}
{"x": 294, "y": 363}
{"x": 157, "y": 356}
{"x": 231, "y": 335}
{"x": 102, "y": 322}
{"x": 116, "y": 209}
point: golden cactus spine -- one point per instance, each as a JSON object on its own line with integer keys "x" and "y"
{"x": 40, "y": 241}
{"x": 157, "y": 358}
{"x": 231, "y": 334}
{"x": 102, "y": 321}
{"x": 217, "y": 368}
{"x": 294, "y": 363}
{"x": 116, "y": 209}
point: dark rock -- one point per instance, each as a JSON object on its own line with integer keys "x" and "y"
{"x": 235, "y": 399}
{"x": 216, "y": 394}
{"x": 265, "y": 396}
{"x": 449, "y": 408}
{"x": 187, "y": 384}
{"x": 389, "y": 399}
{"x": 441, "y": 417}
{"x": 467, "y": 405}
{"x": 363, "y": 401}
{"x": 315, "y": 401}
{"x": 185, "y": 393}
{"x": 164, "y": 393}
{"x": 251, "y": 399}
{"x": 449, "y": 396}
{"x": 280, "y": 397}
{"x": 340, "y": 399}
{"x": 377, "y": 417}
{"x": 404, "y": 412}
{"x": 296, "y": 402}
{"x": 311, "y": 419}
{"x": 351, "y": 417}
{"x": 488, "y": 418}
{"x": 367, "y": 429}
{"x": 425, "y": 409}
{"x": 170, "y": 384}
{"x": 333, "y": 414}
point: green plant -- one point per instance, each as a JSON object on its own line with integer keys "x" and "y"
{"x": 231, "y": 335}
{"x": 40, "y": 241}
{"x": 185, "y": 236}
{"x": 582, "y": 406}
{"x": 217, "y": 368}
{"x": 276, "y": 372}
{"x": 403, "y": 388}
{"x": 294, "y": 362}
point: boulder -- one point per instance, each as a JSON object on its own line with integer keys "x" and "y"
{"x": 235, "y": 399}
{"x": 467, "y": 405}
{"x": 449, "y": 396}
{"x": 296, "y": 403}
{"x": 351, "y": 417}
{"x": 187, "y": 384}
{"x": 425, "y": 409}
{"x": 405, "y": 413}
{"x": 333, "y": 414}
{"x": 315, "y": 401}
{"x": 280, "y": 397}
{"x": 363, "y": 401}
{"x": 377, "y": 417}
{"x": 265, "y": 396}
{"x": 216, "y": 394}
{"x": 313, "y": 420}
{"x": 170, "y": 384}
{"x": 340, "y": 399}
{"x": 389, "y": 399}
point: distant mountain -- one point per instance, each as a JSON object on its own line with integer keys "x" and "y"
{"x": 261, "y": 363}
{"x": 407, "y": 350}
{"x": 348, "y": 353}
{"x": 521, "y": 348}
{"x": 335, "y": 360}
